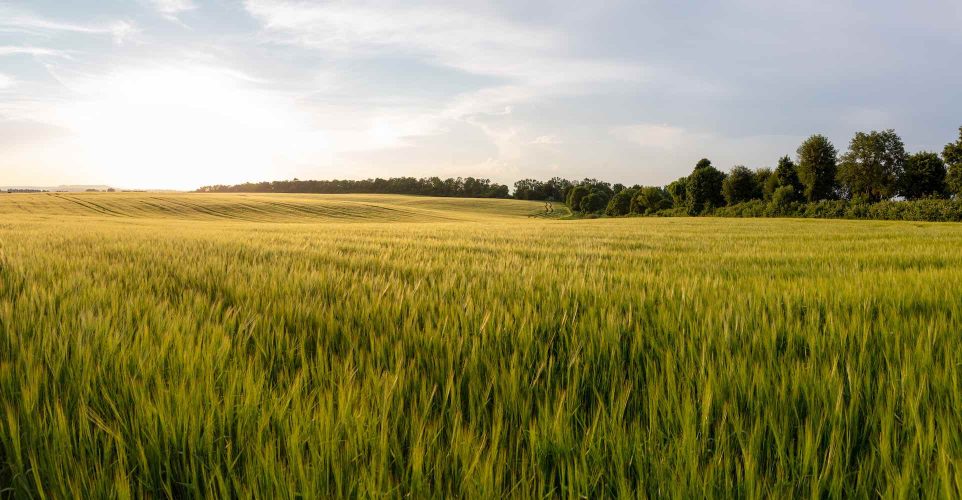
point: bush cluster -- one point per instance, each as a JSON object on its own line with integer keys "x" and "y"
{"x": 931, "y": 209}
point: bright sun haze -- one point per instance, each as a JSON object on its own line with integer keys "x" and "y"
{"x": 187, "y": 126}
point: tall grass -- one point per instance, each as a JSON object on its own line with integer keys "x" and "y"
{"x": 153, "y": 355}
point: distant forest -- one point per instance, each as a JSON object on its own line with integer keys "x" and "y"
{"x": 875, "y": 179}
{"x": 428, "y": 186}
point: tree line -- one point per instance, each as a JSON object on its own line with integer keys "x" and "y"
{"x": 874, "y": 178}
{"x": 468, "y": 187}
{"x": 876, "y": 170}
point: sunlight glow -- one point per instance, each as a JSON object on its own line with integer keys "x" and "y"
{"x": 182, "y": 128}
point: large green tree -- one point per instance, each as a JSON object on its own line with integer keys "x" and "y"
{"x": 817, "y": 166}
{"x": 704, "y": 188}
{"x": 923, "y": 176}
{"x": 952, "y": 154}
{"x": 872, "y": 166}
{"x": 740, "y": 185}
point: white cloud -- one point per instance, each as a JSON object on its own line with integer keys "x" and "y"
{"x": 15, "y": 21}
{"x": 8, "y": 50}
{"x": 172, "y": 8}
{"x": 122, "y": 31}
{"x": 525, "y": 62}
{"x": 6, "y": 82}
{"x": 358, "y": 27}
{"x": 527, "y": 57}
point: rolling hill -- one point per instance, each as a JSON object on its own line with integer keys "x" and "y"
{"x": 264, "y": 207}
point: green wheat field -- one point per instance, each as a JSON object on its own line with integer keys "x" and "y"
{"x": 312, "y": 346}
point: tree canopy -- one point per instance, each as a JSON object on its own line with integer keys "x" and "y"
{"x": 871, "y": 167}
{"x": 923, "y": 177}
{"x": 952, "y": 154}
{"x": 650, "y": 199}
{"x": 817, "y": 167}
{"x": 704, "y": 188}
{"x": 593, "y": 202}
{"x": 740, "y": 185}
{"x": 620, "y": 203}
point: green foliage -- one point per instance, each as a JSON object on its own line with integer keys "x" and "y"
{"x": 599, "y": 186}
{"x": 766, "y": 181}
{"x": 740, "y": 185}
{"x": 575, "y": 195}
{"x": 620, "y": 203}
{"x": 872, "y": 166}
{"x": 468, "y": 187}
{"x": 926, "y": 209}
{"x": 602, "y": 193}
{"x": 817, "y": 168}
{"x": 595, "y": 202}
{"x": 333, "y": 355}
{"x": 923, "y": 176}
{"x": 784, "y": 196}
{"x": 703, "y": 188}
{"x": 554, "y": 189}
{"x": 929, "y": 209}
{"x": 952, "y": 155}
{"x": 786, "y": 175}
{"x": 650, "y": 200}
{"x": 529, "y": 189}
{"x": 678, "y": 190}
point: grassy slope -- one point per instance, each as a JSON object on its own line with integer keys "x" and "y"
{"x": 517, "y": 356}
{"x": 262, "y": 207}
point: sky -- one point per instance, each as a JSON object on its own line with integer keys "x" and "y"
{"x": 176, "y": 94}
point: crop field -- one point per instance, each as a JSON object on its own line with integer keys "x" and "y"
{"x": 277, "y": 346}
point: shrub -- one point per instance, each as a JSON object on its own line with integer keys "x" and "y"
{"x": 930, "y": 209}
{"x": 752, "y": 208}
{"x": 783, "y": 196}
{"x": 824, "y": 209}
